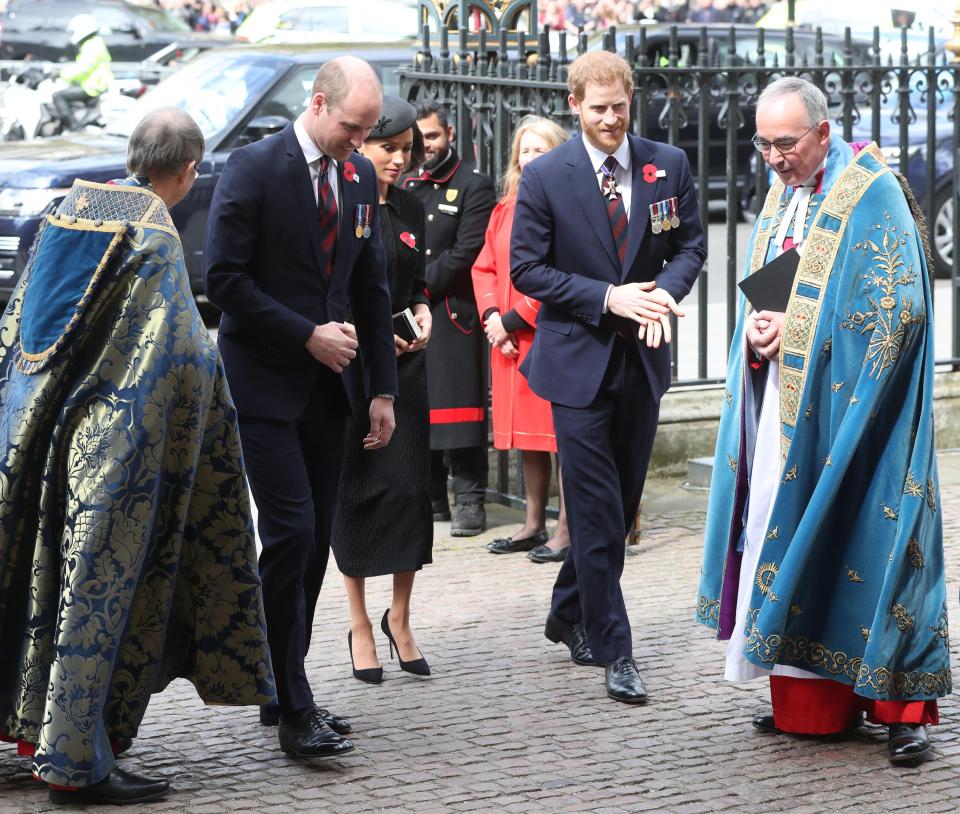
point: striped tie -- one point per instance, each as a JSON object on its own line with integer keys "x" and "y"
{"x": 615, "y": 208}
{"x": 328, "y": 214}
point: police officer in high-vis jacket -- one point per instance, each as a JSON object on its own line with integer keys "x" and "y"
{"x": 458, "y": 201}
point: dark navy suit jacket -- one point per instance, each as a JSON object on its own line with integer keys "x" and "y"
{"x": 264, "y": 269}
{"x": 563, "y": 254}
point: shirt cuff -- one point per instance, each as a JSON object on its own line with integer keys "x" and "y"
{"x": 513, "y": 322}
{"x": 606, "y": 299}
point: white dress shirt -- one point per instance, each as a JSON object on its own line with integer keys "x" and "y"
{"x": 313, "y": 154}
{"x": 622, "y": 173}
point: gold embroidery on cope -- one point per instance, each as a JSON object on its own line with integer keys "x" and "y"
{"x": 791, "y": 474}
{"x": 865, "y": 632}
{"x": 852, "y": 575}
{"x": 931, "y": 496}
{"x": 838, "y": 386}
{"x": 903, "y": 619}
{"x": 708, "y": 609}
{"x": 795, "y": 609}
{"x": 888, "y": 513}
{"x": 774, "y": 533}
{"x": 732, "y": 463}
{"x": 802, "y": 652}
{"x": 889, "y": 320}
{"x": 914, "y": 553}
{"x": 912, "y": 487}
{"x": 766, "y": 573}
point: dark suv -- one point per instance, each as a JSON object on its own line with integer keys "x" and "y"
{"x": 37, "y": 29}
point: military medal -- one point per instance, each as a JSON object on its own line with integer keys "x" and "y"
{"x": 664, "y": 209}
{"x": 655, "y": 219}
{"x": 611, "y": 189}
{"x": 674, "y": 210}
{"x": 361, "y": 219}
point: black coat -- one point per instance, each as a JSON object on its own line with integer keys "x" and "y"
{"x": 458, "y": 201}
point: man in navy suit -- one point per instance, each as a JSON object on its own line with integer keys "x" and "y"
{"x": 293, "y": 231}
{"x": 607, "y": 236}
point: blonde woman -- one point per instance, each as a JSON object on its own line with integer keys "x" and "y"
{"x": 521, "y": 420}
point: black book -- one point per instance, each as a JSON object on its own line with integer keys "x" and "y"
{"x": 405, "y": 326}
{"x": 769, "y": 287}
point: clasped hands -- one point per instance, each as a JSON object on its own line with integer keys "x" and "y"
{"x": 500, "y": 337}
{"x": 763, "y": 332}
{"x": 647, "y": 305}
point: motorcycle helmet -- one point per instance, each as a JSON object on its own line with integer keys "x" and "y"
{"x": 81, "y": 27}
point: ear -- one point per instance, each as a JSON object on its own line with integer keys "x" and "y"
{"x": 574, "y": 104}
{"x": 318, "y": 103}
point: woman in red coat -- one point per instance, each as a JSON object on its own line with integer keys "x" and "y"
{"x": 521, "y": 420}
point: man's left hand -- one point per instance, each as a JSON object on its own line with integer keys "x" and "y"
{"x": 765, "y": 339}
{"x": 382, "y": 424}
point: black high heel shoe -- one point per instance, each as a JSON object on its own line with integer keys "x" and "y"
{"x": 418, "y": 667}
{"x": 370, "y": 675}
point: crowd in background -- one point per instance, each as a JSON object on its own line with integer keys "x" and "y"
{"x": 217, "y": 16}
{"x": 591, "y": 15}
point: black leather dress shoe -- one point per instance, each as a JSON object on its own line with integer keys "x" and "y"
{"x": 303, "y": 734}
{"x": 118, "y": 788}
{"x": 624, "y": 682}
{"x": 511, "y": 545}
{"x": 573, "y": 636}
{"x": 543, "y": 553}
{"x": 765, "y": 724}
{"x": 908, "y": 743}
{"x": 270, "y": 716}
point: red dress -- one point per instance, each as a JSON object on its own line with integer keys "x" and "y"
{"x": 521, "y": 419}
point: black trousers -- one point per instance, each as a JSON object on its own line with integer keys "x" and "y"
{"x": 63, "y": 99}
{"x": 294, "y": 469}
{"x": 604, "y": 452}
{"x": 468, "y": 467}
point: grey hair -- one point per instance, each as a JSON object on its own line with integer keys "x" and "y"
{"x": 812, "y": 97}
{"x": 163, "y": 142}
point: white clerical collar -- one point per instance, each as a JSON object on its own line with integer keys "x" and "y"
{"x": 597, "y": 157}
{"x": 311, "y": 152}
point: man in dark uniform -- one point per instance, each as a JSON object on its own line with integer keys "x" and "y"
{"x": 458, "y": 201}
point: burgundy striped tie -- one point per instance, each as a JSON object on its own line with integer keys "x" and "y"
{"x": 328, "y": 214}
{"x": 615, "y": 208}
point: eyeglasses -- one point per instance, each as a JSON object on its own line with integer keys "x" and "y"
{"x": 783, "y": 145}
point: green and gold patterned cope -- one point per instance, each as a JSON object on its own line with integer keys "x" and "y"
{"x": 127, "y": 554}
{"x": 850, "y": 583}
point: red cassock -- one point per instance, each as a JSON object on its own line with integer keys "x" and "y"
{"x": 521, "y": 419}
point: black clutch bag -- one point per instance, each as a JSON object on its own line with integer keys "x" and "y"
{"x": 405, "y": 326}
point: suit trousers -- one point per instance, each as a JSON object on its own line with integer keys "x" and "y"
{"x": 604, "y": 451}
{"x": 294, "y": 470}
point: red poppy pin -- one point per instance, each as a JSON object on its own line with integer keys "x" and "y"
{"x": 650, "y": 173}
{"x": 350, "y": 172}
{"x": 410, "y": 240}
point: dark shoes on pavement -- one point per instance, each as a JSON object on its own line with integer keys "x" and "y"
{"x": 624, "y": 682}
{"x": 908, "y": 743}
{"x": 511, "y": 545}
{"x": 418, "y": 667}
{"x": 441, "y": 509}
{"x": 304, "y": 734}
{"x": 118, "y": 788}
{"x": 368, "y": 675}
{"x": 543, "y": 553}
{"x": 469, "y": 521}
{"x": 765, "y": 724}
{"x": 573, "y": 636}
{"x": 270, "y": 716}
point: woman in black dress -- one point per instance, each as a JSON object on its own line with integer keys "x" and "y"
{"x": 384, "y": 523}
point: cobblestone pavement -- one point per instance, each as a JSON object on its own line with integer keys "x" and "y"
{"x": 507, "y": 723}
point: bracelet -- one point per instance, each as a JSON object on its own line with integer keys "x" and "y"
{"x": 386, "y": 396}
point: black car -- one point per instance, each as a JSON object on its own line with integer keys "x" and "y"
{"x": 236, "y": 95}
{"x": 37, "y": 29}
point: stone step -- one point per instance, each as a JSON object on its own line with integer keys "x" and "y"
{"x": 699, "y": 471}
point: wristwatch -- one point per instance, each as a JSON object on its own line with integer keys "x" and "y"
{"x": 386, "y": 396}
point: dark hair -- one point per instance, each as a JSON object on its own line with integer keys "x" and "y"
{"x": 419, "y": 151}
{"x": 163, "y": 142}
{"x": 427, "y": 107}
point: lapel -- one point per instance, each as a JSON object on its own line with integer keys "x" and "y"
{"x": 346, "y": 235}
{"x": 642, "y": 195}
{"x": 300, "y": 180}
{"x": 583, "y": 180}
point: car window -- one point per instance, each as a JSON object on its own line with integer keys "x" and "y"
{"x": 38, "y": 18}
{"x": 290, "y": 99}
{"x": 214, "y": 90}
{"x": 334, "y": 19}
{"x": 388, "y": 20}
